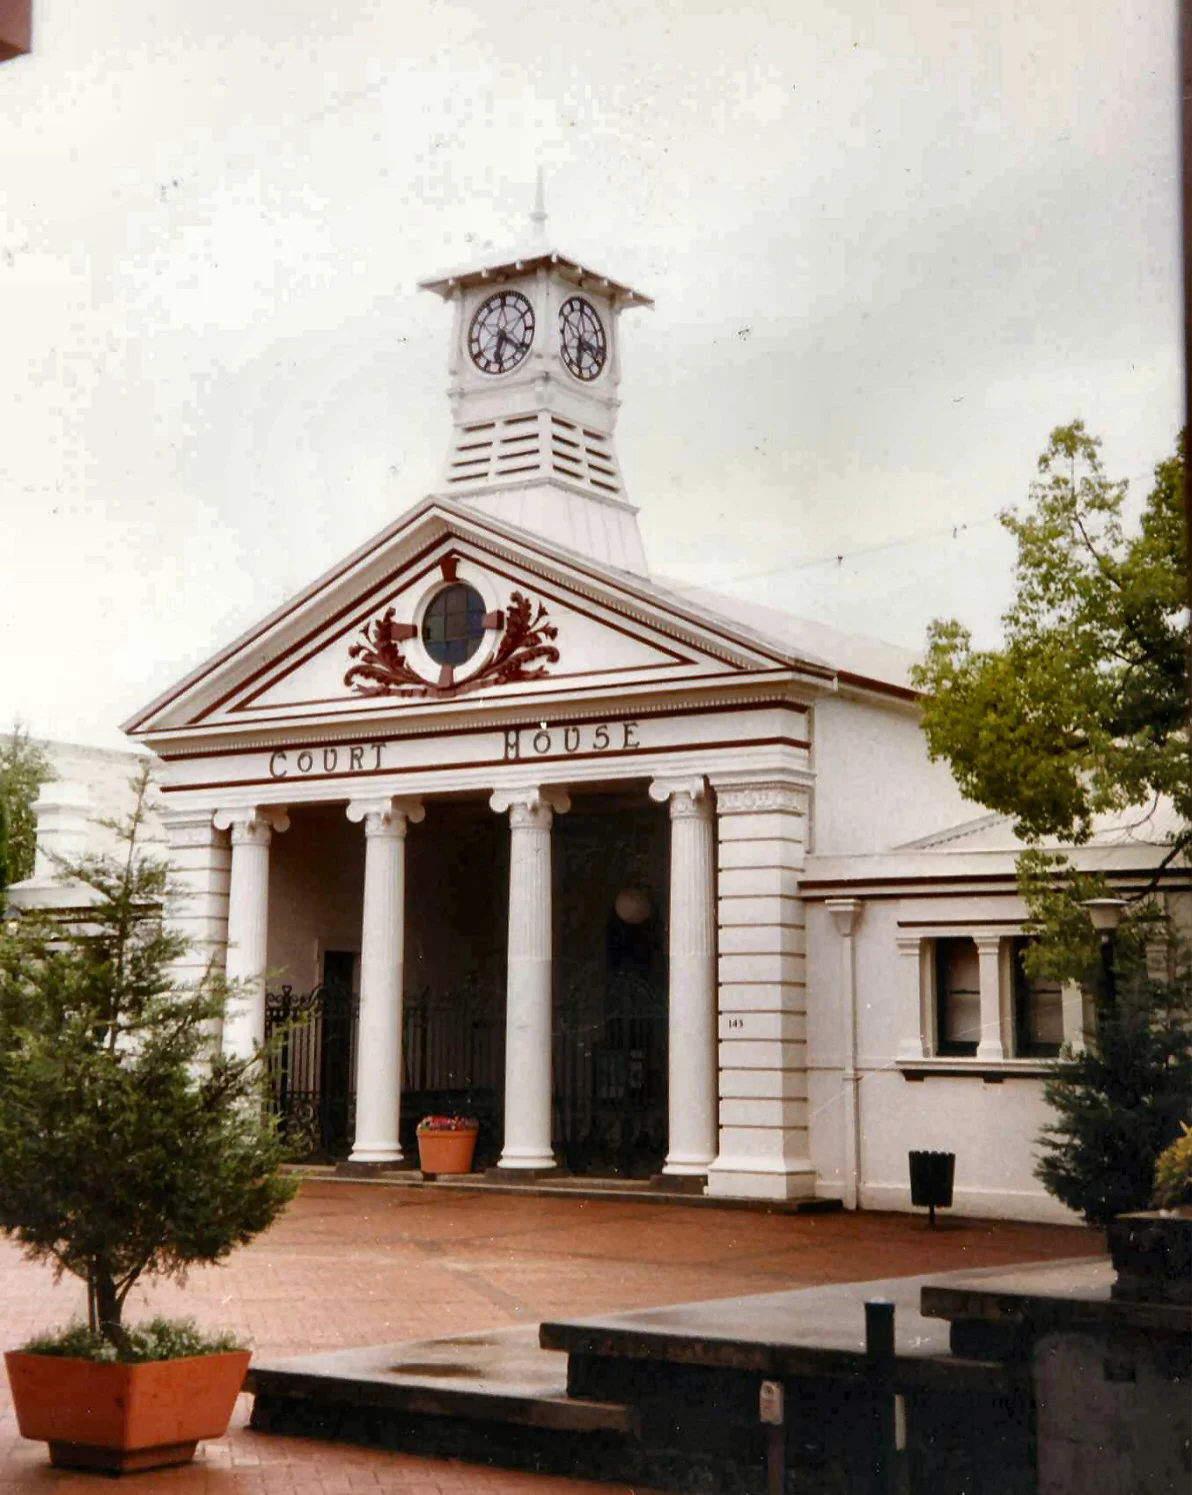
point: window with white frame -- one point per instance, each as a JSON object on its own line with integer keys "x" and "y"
{"x": 968, "y": 999}
{"x": 957, "y": 998}
{"x": 1038, "y": 1009}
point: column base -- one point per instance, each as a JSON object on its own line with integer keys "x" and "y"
{"x": 524, "y": 1173}
{"x": 389, "y": 1156}
{"x": 354, "y": 1168}
{"x": 687, "y": 1167}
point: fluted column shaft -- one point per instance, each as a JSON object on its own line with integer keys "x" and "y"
{"x": 529, "y": 994}
{"x": 248, "y": 923}
{"x": 382, "y": 973}
{"x": 691, "y": 1030}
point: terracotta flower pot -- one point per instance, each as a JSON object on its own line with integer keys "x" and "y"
{"x": 446, "y": 1152}
{"x": 121, "y": 1418}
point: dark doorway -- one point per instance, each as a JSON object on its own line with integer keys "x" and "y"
{"x": 611, "y": 881}
{"x": 457, "y": 901}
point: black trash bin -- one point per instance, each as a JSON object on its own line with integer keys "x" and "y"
{"x": 932, "y": 1176}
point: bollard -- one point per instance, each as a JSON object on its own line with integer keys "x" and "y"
{"x": 771, "y": 1410}
{"x": 879, "y": 1356}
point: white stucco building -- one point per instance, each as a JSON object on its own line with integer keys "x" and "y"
{"x": 651, "y": 879}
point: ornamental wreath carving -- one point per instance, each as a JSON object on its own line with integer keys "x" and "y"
{"x": 524, "y": 652}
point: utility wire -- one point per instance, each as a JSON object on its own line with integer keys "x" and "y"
{"x": 838, "y": 558}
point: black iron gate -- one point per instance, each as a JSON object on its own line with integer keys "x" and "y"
{"x": 610, "y": 1082}
{"x": 313, "y": 1068}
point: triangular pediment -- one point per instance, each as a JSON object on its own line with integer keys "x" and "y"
{"x": 555, "y": 625}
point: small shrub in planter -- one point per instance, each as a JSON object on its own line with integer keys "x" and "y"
{"x": 127, "y": 1149}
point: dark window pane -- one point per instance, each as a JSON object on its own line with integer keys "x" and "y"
{"x": 454, "y": 624}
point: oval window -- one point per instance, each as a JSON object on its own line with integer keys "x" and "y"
{"x": 454, "y": 624}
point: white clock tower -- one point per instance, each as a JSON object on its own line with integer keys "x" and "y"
{"x": 534, "y": 369}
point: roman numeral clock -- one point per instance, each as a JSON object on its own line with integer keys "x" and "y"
{"x": 533, "y": 375}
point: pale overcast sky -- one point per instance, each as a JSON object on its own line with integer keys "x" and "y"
{"x": 891, "y": 246}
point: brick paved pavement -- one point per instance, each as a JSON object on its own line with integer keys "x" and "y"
{"x": 354, "y": 1264}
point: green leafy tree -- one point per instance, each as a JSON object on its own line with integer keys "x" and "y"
{"x": 24, "y": 768}
{"x": 1083, "y": 710}
{"x": 126, "y": 1149}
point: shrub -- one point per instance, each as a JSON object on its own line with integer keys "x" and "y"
{"x": 154, "y": 1339}
{"x": 1173, "y": 1173}
{"x": 126, "y": 1147}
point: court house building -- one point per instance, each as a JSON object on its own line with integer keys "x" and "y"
{"x": 654, "y": 882}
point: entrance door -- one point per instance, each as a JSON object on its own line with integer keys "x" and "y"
{"x": 610, "y": 1021}
{"x": 337, "y": 1052}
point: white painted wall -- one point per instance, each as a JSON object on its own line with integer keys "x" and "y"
{"x": 992, "y": 1128}
{"x": 875, "y": 786}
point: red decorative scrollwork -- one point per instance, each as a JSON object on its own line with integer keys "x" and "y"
{"x": 525, "y": 651}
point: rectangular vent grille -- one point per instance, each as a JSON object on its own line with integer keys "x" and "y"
{"x": 521, "y": 445}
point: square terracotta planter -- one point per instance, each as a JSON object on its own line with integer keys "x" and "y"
{"x": 122, "y": 1418}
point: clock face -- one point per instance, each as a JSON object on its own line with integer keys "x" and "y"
{"x": 581, "y": 338}
{"x": 501, "y": 332}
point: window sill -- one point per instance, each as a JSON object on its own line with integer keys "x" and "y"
{"x": 993, "y": 1072}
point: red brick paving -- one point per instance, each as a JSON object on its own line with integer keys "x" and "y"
{"x": 353, "y": 1264}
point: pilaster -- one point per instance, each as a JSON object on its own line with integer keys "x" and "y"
{"x": 200, "y": 860}
{"x": 762, "y": 990}
{"x": 990, "y": 1045}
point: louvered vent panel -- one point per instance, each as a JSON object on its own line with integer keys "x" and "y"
{"x": 513, "y": 449}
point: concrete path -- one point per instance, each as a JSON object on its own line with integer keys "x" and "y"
{"x": 353, "y": 1264}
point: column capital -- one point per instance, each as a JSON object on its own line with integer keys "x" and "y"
{"x": 740, "y": 796}
{"x": 533, "y": 806}
{"x": 987, "y": 943}
{"x": 252, "y": 825}
{"x": 689, "y": 797}
{"x": 846, "y": 914}
{"x": 386, "y": 815}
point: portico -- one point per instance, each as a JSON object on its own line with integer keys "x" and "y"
{"x": 604, "y": 917}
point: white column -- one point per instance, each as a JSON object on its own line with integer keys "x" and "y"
{"x": 845, "y": 914}
{"x": 382, "y": 967}
{"x": 248, "y": 922}
{"x": 990, "y": 965}
{"x": 691, "y": 1029}
{"x": 528, "y": 999}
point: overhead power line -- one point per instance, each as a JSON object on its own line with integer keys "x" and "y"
{"x": 838, "y": 558}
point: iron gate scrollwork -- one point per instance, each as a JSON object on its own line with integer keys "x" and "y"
{"x": 312, "y": 1068}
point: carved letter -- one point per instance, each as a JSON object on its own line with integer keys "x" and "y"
{"x": 377, "y": 750}
{"x": 570, "y": 739}
{"x": 305, "y": 762}
{"x": 512, "y": 743}
{"x": 330, "y": 759}
{"x": 600, "y": 738}
{"x": 629, "y": 728}
{"x": 277, "y": 765}
{"x": 356, "y": 759}
{"x": 541, "y": 743}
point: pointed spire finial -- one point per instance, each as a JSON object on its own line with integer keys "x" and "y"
{"x": 538, "y": 216}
